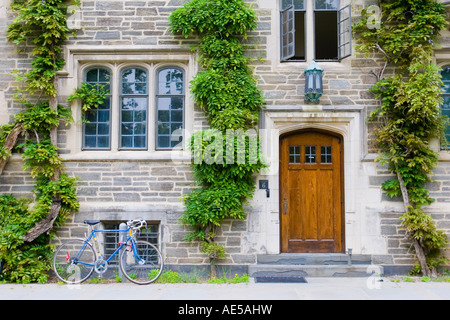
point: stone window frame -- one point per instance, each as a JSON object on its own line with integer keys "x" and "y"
{"x": 81, "y": 59}
{"x": 151, "y": 95}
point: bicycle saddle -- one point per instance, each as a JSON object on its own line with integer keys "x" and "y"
{"x": 91, "y": 222}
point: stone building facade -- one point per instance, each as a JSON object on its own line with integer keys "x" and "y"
{"x": 140, "y": 175}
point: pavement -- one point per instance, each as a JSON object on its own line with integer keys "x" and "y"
{"x": 314, "y": 289}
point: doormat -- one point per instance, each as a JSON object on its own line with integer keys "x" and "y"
{"x": 285, "y": 279}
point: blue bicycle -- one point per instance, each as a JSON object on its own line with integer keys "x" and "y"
{"x": 140, "y": 261}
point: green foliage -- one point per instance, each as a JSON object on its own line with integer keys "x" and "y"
{"x": 64, "y": 188}
{"x": 226, "y": 90}
{"x": 422, "y": 227}
{"x": 230, "y": 98}
{"x": 42, "y": 118}
{"x": 404, "y": 26}
{"x": 213, "y": 250}
{"x": 410, "y": 105}
{"x": 170, "y": 276}
{"x": 236, "y": 279}
{"x": 42, "y": 158}
{"x": 225, "y": 17}
{"x": 43, "y": 24}
{"x": 4, "y": 131}
{"x": 22, "y": 262}
{"x": 91, "y": 96}
{"x": 211, "y": 205}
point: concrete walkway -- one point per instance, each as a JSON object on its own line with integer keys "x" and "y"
{"x": 314, "y": 289}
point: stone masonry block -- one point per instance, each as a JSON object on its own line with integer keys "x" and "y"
{"x": 339, "y": 84}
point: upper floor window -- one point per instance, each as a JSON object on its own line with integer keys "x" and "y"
{"x": 170, "y": 106}
{"x": 445, "y": 107}
{"x": 133, "y": 109}
{"x": 97, "y": 126}
{"x": 315, "y": 29}
{"x": 137, "y": 104}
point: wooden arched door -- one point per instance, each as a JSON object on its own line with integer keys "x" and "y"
{"x": 311, "y": 192}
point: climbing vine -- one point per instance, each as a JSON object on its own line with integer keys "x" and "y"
{"x": 26, "y": 227}
{"x": 226, "y": 90}
{"x": 410, "y": 114}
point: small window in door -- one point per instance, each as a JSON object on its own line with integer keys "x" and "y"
{"x": 310, "y": 154}
{"x": 325, "y": 154}
{"x": 294, "y": 154}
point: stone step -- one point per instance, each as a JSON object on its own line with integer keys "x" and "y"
{"x": 314, "y": 259}
{"x": 259, "y": 271}
{"x": 298, "y": 267}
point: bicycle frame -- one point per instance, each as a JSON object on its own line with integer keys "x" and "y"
{"x": 92, "y": 235}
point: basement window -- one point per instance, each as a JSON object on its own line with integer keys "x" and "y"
{"x": 111, "y": 239}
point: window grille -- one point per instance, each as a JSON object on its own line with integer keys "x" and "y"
{"x": 111, "y": 239}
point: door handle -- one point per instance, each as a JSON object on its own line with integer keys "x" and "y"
{"x": 285, "y": 206}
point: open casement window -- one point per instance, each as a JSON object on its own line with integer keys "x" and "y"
{"x": 288, "y": 32}
{"x": 345, "y": 32}
{"x": 293, "y": 36}
{"x": 332, "y": 30}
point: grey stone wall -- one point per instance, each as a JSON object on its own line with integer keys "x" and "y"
{"x": 126, "y": 23}
{"x": 113, "y": 190}
{"x": 399, "y": 248}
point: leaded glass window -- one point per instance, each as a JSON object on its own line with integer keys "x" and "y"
{"x": 170, "y": 108}
{"x": 294, "y": 154}
{"x": 97, "y": 121}
{"x": 133, "y": 109}
{"x": 310, "y": 154}
{"x": 325, "y": 154}
{"x": 445, "y": 107}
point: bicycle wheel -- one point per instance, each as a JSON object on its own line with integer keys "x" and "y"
{"x": 73, "y": 261}
{"x": 145, "y": 268}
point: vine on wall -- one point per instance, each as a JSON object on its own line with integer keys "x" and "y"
{"x": 26, "y": 227}
{"x": 410, "y": 111}
{"x": 226, "y": 91}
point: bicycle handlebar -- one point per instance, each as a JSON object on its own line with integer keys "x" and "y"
{"x": 136, "y": 224}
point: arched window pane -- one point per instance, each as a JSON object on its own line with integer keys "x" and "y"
{"x": 134, "y": 81}
{"x": 171, "y": 81}
{"x": 97, "y": 127}
{"x": 170, "y": 108}
{"x": 134, "y": 109}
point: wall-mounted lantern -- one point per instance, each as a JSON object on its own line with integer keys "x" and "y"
{"x": 313, "y": 83}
